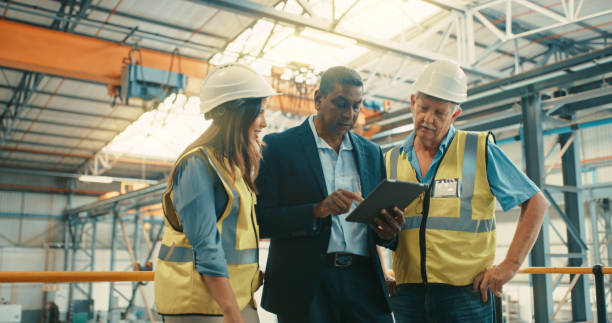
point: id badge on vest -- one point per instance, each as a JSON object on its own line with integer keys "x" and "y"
{"x": 447, "y": 188}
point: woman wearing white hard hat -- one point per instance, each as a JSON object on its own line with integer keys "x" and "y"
{"x": 207, "y": 269}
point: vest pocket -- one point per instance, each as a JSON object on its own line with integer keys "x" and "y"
{"x": 446, "y": 207}
{"x": 173, "y": 286}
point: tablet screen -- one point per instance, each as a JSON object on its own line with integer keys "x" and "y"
{"x": 386, "y": 195}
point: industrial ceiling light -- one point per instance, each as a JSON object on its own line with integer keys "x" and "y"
{"x": 95, "y": 179}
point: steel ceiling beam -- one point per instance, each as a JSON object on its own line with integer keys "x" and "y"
{"x": 14, "y": 107}
{"x": 104, "y": 206}
{"x": 49, "y": 134}
{"x": 50, "y": 145}
{"x": 119, "y": 170}
{"x": 70, "y": 96}
{"x": 77, "y": 113}
{"x": 447, "y": 5}
{"x": 38, "y": 164}
{"x": 68, "y": 125}
{"x": 158, "y": 23}
{"x": 59, "y": 13}
{"x": 543, "y": 71}
{"x": 524, "y": 88}
{"x": 71, "y": 175}
{"x": 83, "y": 156}
{"x": 519, "y": 27}
{"x": 82, "y": 13}
{"x": 256, "y": 10}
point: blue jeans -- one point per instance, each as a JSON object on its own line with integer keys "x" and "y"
{"x": 441, "y": 303}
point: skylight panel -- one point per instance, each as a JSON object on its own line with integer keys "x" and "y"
{"x": 164, "y": 132}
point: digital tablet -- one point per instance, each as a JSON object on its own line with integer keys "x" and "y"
{"x": 386, "y": 195}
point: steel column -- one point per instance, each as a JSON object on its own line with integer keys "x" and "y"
{"x": 75, "y": 225}
{"x": 137, "y": 236}
{"x": 594, "y": 229}
{"x": 112, "y": 257}
{"x": 94, "y": 224}
{"x": 600, "y": 292}
{"x": 67, "y": 250}
{"x": 605, "y": 206}
{"x": 534, "y": 164}
{"x": 574, "y": 210}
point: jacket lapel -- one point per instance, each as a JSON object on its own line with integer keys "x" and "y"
{"x": 311, "y": 155}
{"x": 362, "y": 166}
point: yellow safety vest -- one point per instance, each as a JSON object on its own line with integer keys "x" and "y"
{"x": 179, "y": 288}
{"x": 449, "y": 234}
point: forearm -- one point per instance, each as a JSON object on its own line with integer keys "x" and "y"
{"x": 221, "y": 291}
{"x": 527, "y": 230}
{"x": 380, "y": 252}
{"x": 389, "y": 244}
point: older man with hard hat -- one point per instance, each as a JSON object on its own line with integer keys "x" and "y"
{"x": 443, "y": 262}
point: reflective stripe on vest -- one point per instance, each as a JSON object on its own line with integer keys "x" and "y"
{"x": 464, "y": 223}
{"x": 394, "y": 158}
{"x": 175, "y": 254}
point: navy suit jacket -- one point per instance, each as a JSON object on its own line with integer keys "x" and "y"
{"x": 290, "y": 183}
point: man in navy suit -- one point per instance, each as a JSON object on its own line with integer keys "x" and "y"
{"x": 320, "y": 267}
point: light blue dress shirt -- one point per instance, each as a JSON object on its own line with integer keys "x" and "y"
{"x": 508, "y": 183}
{"x": 198, "y": 198}
{"x": 340, "y": 172}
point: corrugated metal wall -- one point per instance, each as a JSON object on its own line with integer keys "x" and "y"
{"x": 597, "y": 143}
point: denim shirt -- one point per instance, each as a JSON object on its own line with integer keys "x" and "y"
{"x": 198, "y": 197}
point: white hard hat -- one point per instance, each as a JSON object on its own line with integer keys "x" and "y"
{"x": 231, "y": 82}
{"x": 444, "y": 80}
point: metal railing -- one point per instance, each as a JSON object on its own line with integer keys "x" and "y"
{"x": 598, "y": 271}
{"x": 109, "y": 276}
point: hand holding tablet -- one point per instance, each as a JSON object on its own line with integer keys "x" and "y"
{"x": 387, "y": 195}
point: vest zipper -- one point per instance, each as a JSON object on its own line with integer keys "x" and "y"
{"x": 256, "y": 237}
{"x": 422, "y": 229}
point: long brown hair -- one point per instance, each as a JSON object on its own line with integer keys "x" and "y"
{"x": 228, "y": 136}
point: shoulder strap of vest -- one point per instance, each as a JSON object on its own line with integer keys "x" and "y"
{"x": 468, "y": 172}
{"x": 393, "y": 159}
{"x": 492, "y": 135}
{"x": 167, "y": 203}
{"x": 489, "y": 135}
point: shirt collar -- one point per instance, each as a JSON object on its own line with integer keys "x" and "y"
{"x": 322, "y": 144}
{"x": 408, "y": 145}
